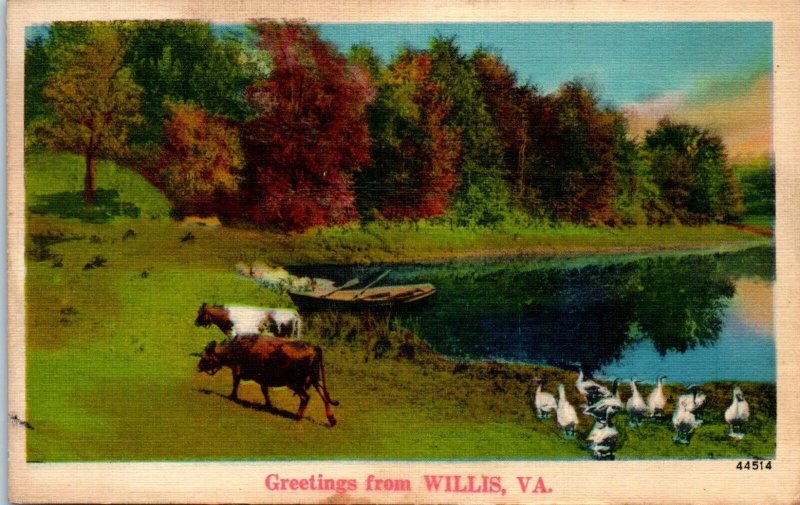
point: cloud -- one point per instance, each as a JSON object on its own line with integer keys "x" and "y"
{"x": 739, "y": 108}
{"x": 727, "y": 86}
{"x": 657, "y": 107}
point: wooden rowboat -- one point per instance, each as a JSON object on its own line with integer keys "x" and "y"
{"x": 379, "y": 298}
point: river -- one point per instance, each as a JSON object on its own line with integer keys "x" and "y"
{"x": 694, "y": 316}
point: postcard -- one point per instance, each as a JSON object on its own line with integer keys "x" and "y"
{"x": 395, "y": 252}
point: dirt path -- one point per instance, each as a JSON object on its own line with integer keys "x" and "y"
{"x": 758, "y": 230}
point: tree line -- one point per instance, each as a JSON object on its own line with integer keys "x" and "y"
{"x": 279, "y": 128}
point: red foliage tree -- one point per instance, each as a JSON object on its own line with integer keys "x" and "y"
{"x": 309, "y": 134}
{"x": 512, "y": 108}
{"x": 576, "y": 172}
{"x": 198, "y": 167}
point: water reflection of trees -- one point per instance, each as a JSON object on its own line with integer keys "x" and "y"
{"x": 678, "y": 304}
{"x": 584, "y": 316}
{"x": 565, "y": 316}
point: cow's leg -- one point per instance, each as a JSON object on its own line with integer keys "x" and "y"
{"x": 265, "y": 392}
{"x": 237, "y": 376}
{"x": 304, "y": 398}
{"x": 328, "y": 409}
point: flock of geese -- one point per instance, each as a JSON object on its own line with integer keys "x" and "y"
{"x": 602, "y": 405}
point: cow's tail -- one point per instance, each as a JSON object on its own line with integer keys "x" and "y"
{"x": 324, "y": 380}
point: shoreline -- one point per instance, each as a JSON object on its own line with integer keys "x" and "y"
{"x": 609, "y": 252}
{"x": 607, "y": 380}
{"x": 355, "y": 246}
{"x": 430, "y": 244}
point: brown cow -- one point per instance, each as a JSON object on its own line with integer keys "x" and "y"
{"x": 271, "y": 362}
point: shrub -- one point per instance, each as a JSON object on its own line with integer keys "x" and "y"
{"x": 198, "y": 168}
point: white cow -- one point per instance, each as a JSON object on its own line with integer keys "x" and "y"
{"x": 236, "y": 320}
{"x": 256, "y": 320}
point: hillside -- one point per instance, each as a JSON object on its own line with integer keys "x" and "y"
{"x": 54, "y": 185}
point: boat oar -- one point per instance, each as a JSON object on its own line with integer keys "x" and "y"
{"x": 348, "y": 284}
{"x": 381, "y": 276}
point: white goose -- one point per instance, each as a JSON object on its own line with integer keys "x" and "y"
{"x": 693, "y": 402}
{"x": 737, "y": 414}
{"x": 566, "y": 417}
{"x": 606, "y": 408}
{"x": 592, "y": 392}
{"x": 603, "y": 439}
{"x": 543, "y": 402}
{"x": 636, "y": 406}
{"x": 684, "y": 422}
{"x": 657, "y": 401}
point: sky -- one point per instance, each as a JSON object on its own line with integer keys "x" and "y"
{"x": 715, "y": 74}
{"x": 628, "y": 62}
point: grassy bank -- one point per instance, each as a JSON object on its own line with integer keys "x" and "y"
{"x": 110, "y": 376}
{"x": 373, "y": 243}
{"x": 54, "y": 189}
{"x": 110, "y": 305}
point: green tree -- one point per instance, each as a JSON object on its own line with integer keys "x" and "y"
{"x": 183, "y": 61}
{"x": 37, "y": 65}
{"x": 689, "y": 165}
{"x": 94, "y": 99}
{"x": 41, "y": 56}
{"x": 757, "y": 180}
{"x": 514, "y": 109}
{"x": 482, "y": 195}
{"x": 365, "y": 57}
{"x": 638, "y": 199}
{"x": 69, "y": 34}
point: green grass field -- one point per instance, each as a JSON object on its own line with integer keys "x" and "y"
{"x": 763, "y": 221}
{"x": 757, "y": 182}
{"x": 110, "y": 378}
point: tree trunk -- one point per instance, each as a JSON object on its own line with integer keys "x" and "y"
{"x": 88, "y": 180}
{"x": 521, "y": 171}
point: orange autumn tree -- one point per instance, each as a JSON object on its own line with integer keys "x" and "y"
{"x": 199, "y": 166}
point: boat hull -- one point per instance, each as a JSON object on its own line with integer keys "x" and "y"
{"x": 372, "y": 299}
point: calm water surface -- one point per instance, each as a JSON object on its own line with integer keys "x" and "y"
{"x": 694, "y": 317}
